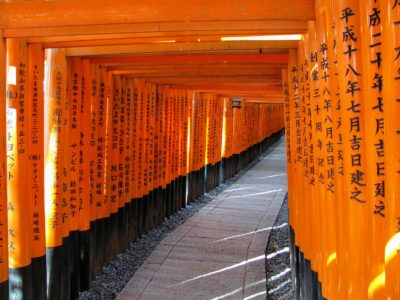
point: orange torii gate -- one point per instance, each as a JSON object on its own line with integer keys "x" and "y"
{"x": 340, "y": 108}
{"x": 121, "y": 154}
{"x": 88, "y": 206}
{"x": 107, "y": 128}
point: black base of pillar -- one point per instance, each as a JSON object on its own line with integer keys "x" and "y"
{"x": 307, "y": 284}
{"x": 107, "y": 241}
{"x": 4, "y": 294}
{"x": 73, "y": 247}
{"x": 113, "y": 236}
{"x": 146, "y": 207}
{"x": 98, "y": 246}
{"x": 134, "y": 215}
{"x": 121, "y": 229}
{"x": 39, "y": 278}
{"x": 57, "y": 264}
{"x": 20, "y": 283}
{"x": 129, "y": 224}
{"x": 84, "y": 260}
{"x": 140, "y": 210}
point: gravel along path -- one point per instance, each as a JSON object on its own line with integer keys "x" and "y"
{"x": 277, "y": 258}
{"x": 119, "y": 271}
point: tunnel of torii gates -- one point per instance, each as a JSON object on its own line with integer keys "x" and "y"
{"x": 114, "y": 115}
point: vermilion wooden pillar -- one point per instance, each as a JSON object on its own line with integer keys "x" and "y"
{"x": 35, "y": 121}
{"x": 371, "y": 46}
{"x": 353, "y": 106}
{"x": 391, "y": 78}
{"x": 75, "y": 201}
{"x": 19, "y": 242}
{"x": 85, "y": 159}
{"x": 54, "y": 152}
{"x": 3, "y": 176}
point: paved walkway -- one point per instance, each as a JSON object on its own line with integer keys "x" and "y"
{"x": 219, "y": 253}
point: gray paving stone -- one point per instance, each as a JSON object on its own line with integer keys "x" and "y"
{"x": 255, "y": 283}
{"x": 241, "y": 227}
{"x": 217, "y": 254}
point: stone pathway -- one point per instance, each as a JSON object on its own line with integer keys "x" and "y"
{"x": 220, "y": 252}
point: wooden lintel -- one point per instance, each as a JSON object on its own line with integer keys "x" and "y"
{"x": 224, "y": 81}
{"x": 153, "y": 36}
{"x": 185, "y": 48}
{"x": 227, "y": 72}
{"x": 196, "y": 67}
{"x": 195, "y": 74}
{"x": 97, "y": 12}
{"x": 137, "y": 30}
{"x": 88, "y": 41}
{"x": 264, "y": 101}
{"x": 231, "y": 89}
{"x": 193, "y": 59}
